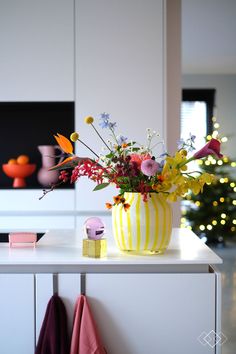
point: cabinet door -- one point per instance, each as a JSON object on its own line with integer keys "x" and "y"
{"x": 43, "y": 292}
{"x": 37, "y": 50}
{"x": 17, "y": 313}
{"x": 153, "y": 313}
{"x": 68, "y": 288}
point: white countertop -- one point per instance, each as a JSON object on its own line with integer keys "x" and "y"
{"x": 64, "y": 248}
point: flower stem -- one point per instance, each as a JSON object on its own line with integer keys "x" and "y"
{"x": 187, "y": 161}
{"x": 88, "y": 148}
{"x": 100, "y": 136}
{"x": 188, "y": 173}
{"x": 113, "y": 133}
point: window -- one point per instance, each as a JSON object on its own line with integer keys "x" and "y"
{"x": 196, "y": 118}
{"x": 196, "y": 114}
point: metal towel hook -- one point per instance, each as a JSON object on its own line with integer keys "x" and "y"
{"x": 82, "y": 283}
{"x": 55, "y": 284}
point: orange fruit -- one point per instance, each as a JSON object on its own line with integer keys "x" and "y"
{"x": 12, "y": 162}
{"x": 22, "y": 159}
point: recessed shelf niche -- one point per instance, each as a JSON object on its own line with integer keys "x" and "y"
{"x": 24, "y": 126}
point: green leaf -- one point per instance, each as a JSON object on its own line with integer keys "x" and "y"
{"x": 101, "y": 186}
{"x": 110, "y": 155}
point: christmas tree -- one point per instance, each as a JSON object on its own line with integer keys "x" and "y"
{"x": 212, "y": 215}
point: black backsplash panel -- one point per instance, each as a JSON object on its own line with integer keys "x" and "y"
{"x": 25, "y": 125}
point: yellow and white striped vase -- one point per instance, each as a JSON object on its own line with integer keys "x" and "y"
{"x": 145, "y": 228}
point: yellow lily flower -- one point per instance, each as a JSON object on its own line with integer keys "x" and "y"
{"x": 195, "y": 186}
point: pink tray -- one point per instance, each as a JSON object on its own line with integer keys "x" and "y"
{"x": 22, "y": 239}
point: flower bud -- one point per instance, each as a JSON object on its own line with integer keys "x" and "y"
{"x": 183, "y": 152}
{"x": 88, "y": 120}
{"x": 74, "y": 136}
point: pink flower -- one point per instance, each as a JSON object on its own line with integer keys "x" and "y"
{"x": 149, "y": 167}
{"x": 211, "y": 148}
{"x": 139, "y": 158}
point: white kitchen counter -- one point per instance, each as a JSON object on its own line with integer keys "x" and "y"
{"x": 63, "y": 249}
{"x": 128, "y": 294}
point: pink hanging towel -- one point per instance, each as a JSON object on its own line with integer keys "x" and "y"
{"x": 85, "y": 338}
{"x": 53, "y": 338}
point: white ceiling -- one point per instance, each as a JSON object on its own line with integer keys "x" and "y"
{"x": 209, "y": 36}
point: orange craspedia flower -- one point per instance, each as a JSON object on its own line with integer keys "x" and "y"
{"x": 64, "y": 143}
{"x": 108, "y": 205}
{"x": 124, "y": 146}
{"x": 126, "y": 206}
{"x": 117, "y": 199}
{"x": 22, "y": 160}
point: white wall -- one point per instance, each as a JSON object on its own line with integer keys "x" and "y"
{"x": 128, "y": 64}
{"x": 36, "y": 50}
{"x": 225, "y": 86}
{"x": 119, "y": 70}
{"x": 109, "y": 55}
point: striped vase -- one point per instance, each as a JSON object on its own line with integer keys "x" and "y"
{"x": 145, "y": 228}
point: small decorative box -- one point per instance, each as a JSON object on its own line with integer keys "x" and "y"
{"x": 22, "y": 239}
{"x": 95, "y": 248}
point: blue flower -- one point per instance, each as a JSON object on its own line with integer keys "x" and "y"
{"x": 121, "y": 139}
{"x": 112, "y": 125}
{"x": 105, "y": 116}
{"x": 162, "y": 163}
{"x": 192, "y": 137}
{"x": 104, "y": 124}
{"x": 104, "y": 121}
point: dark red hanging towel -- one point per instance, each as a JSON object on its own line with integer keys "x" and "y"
{"x": 85, "y": 337}
{"x": 53, "y": 338}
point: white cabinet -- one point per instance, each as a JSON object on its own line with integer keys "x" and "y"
{"x": 17, "y": 314}
{"x": 36, "y": 222}
{"x": 153, "y": 313}
{"x": 37, "y": 50}
{"x": 141, "y": 304}
{"x": 139, "y": 312}
{"x": 67, "y": 286}
{"x": 22, "y": 210}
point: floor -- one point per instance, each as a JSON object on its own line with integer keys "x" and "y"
{"x": 228, "y": 269}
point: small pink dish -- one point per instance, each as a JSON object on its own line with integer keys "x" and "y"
{"x": 22, "y": 239}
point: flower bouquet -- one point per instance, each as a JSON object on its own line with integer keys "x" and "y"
{"x": 147, "y": 182}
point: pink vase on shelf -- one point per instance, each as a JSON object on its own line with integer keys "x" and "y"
{"x": 45, "y": 177}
